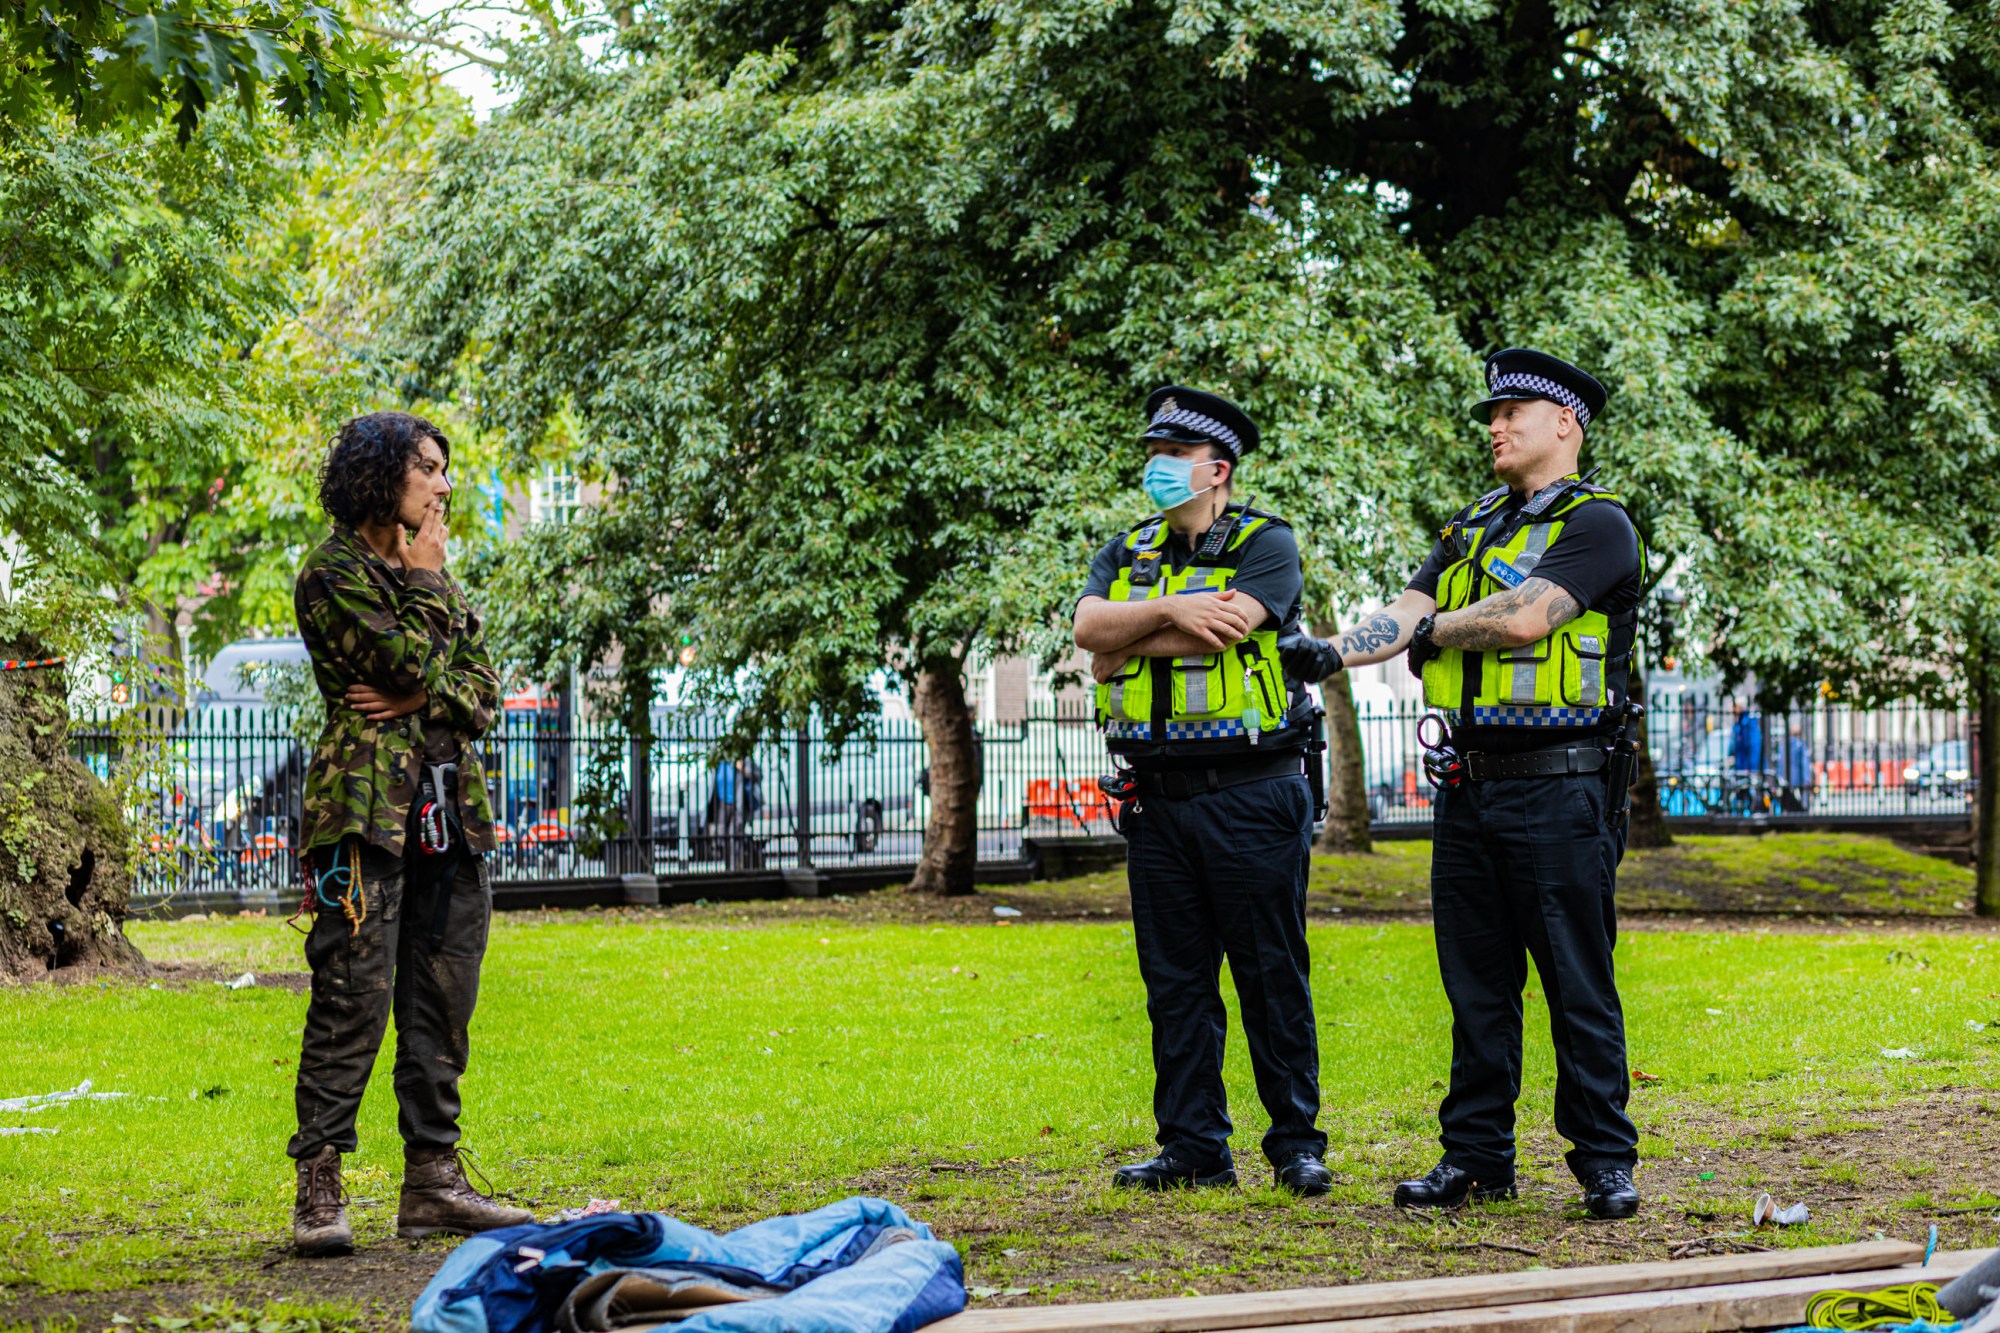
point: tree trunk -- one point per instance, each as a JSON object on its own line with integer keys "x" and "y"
{"x": 1347, "y": 774}
{"x": 636, "y": 853}
{"x": 1649, "y": 822}
{"x": 65, "y": 880}
{"x": 951, "y": 834}
{"x": 1986, "y": 790}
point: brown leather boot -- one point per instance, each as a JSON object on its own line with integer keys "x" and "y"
{"x": 438, "y": 1200}
{"x": 319, "y": 1210}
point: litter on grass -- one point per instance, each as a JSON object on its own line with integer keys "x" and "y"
{"x": 1765, "y": 1212}
{"x": 1006, "y": 911}
{"x": 243, "y": 982}
{"x": 26, "y": 1129}
{"x": 1898, "y": 1053}
{"x": 595, "y": 1208}
{"x": 42, "y": 1101}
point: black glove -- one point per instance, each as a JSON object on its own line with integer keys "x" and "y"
{"x": 1307, "y": 658}
{"x": 1422, "y": 649}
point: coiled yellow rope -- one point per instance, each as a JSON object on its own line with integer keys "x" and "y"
{"x": 1891, "y": 1307}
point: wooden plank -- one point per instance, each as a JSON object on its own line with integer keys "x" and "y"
{"x": 1273, "y": 1309}
{"x": 1694, "y": 1310}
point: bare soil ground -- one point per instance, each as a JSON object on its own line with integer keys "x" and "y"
{"x": 1032, "y": 1236}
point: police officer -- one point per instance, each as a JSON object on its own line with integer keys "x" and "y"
{"x": 1521, "y": 626}
{"x": 1182, "y": 615}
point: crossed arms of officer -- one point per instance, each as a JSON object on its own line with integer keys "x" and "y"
{"x": 1510, "y": 618}
{"x": 1114, "y": 633}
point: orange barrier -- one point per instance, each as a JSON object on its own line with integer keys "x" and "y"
{"x": 262, "y": 848}
{"x": 1078, "y": 802}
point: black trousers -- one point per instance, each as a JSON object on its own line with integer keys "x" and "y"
{"x": 1521, "y": 868}
{"x": 391, "y": 965}
{"x": 1223, "y": 875}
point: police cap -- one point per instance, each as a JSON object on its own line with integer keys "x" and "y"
{"x": 1193, "y": 417}
{"x": 1519, "y": 373}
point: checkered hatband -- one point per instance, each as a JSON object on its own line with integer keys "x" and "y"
{"x": 1547, "y": 388}
{"x": 1173, "y": 414}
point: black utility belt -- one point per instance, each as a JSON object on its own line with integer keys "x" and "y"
{"x": 1483, "y": 766}
{"x": 1178, "y": 784}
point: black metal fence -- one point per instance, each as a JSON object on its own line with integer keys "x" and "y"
{"x": 1722, "y": 758}
{"x": 222, "y": 789}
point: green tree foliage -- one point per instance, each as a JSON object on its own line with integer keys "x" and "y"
{"x": 855, "y": 301}
{"x": 128, "y": 64}
{"x": 124, "y": 319}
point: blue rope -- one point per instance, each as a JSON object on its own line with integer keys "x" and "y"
{"x": 340, "y": 876}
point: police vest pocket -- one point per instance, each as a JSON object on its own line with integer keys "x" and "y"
{"x": 1583, "y": 670}
{"x": 1127, "y": 696}
{"x": 1201, "y": 686}
{"x": 1444, "y": 680}
{"x": 1519, "y": 675}
{"x": 1455, "y": 585}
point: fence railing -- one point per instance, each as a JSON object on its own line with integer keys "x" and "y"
{"x": 580, "y": 799}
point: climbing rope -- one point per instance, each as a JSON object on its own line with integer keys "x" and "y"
{"x": 352, "y": 895}
{"x": 1891, "y": 1307}
{"x": 31, "y": 666}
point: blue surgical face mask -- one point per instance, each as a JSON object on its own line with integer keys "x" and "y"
{"x": 1169, "y": 481}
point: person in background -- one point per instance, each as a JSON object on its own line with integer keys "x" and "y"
{"x": 1746, "y": 740}
{"x": 1795, "y": 772}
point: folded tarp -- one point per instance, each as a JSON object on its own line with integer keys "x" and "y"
{"x": 858, "y": 1266}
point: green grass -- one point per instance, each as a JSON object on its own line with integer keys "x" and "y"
{"x": 1853, "y": 874}
{"x": 724, "y": 1073}
{"x": 1812, "y": 872}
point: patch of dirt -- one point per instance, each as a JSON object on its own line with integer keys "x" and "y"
{"x": 178, "y": 976}
{"x": 1890, "y": 1172}
{"x": 381, "y": 1280}
{"x": 1035, "y": 1236}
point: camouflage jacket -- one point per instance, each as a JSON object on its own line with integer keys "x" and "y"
{"x": 400, "y": 630}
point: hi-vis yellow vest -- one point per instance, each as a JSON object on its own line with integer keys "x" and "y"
{"x": 1234, "y": 696}
{"x": 1560, "y": 683}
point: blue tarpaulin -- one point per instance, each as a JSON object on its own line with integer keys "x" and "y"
{"x": 858, "y": 1266}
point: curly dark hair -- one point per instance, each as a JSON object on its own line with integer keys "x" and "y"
{"x": 368, "y": 468}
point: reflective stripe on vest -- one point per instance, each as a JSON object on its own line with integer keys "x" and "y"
{"x": 1564, "y": 680}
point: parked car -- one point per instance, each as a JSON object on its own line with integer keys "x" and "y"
{"x": 252, "y": 768}
{"x": 1944, "y": 770}
{"x": 232, "y": 676}
{"x": 872, "y": 786}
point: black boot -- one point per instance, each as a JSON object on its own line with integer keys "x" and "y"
{"x": 1168, "y": 1173}
{"x": 1610, "y": 1194}
{"x": 1448, "y": 1187}
{"x": 1305, "y": 1175}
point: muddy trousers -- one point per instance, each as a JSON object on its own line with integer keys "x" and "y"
{"x": 392, "y": 964}
{"x": 1526, "y": 868}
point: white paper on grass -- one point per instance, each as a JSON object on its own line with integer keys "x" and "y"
{"x": 41, "y": 1101}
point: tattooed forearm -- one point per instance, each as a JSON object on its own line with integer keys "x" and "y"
{"x": 1508, "y": 619}
{"x": 1380, "y": 632}
{"x": 1563, "y": 608}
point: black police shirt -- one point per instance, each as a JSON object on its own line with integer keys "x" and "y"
{"x": 1269, "y": 570}
{"x": 1595, "y": 560}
